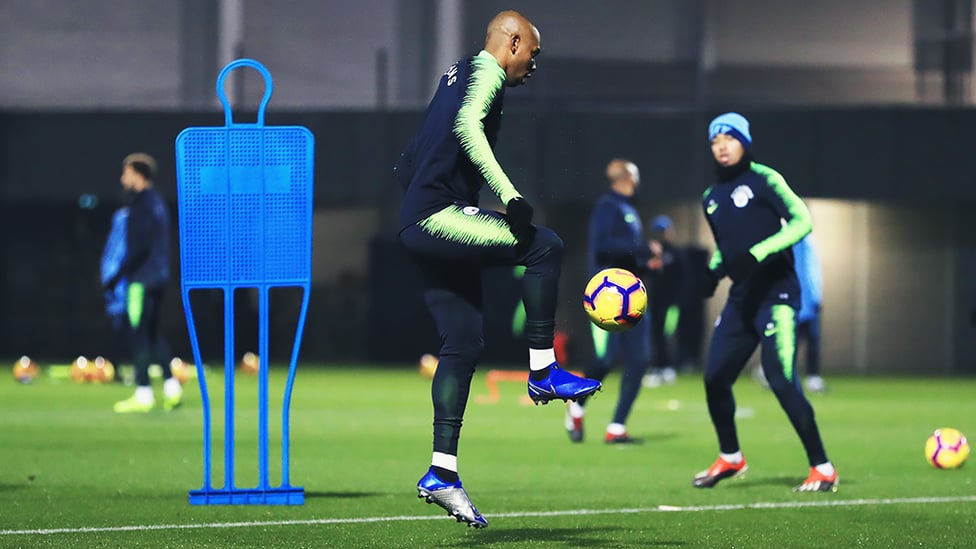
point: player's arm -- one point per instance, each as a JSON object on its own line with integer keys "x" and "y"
{"x": 788, "y": 205}
{"x": 484, "y": 83}
{"x": 715, "y": 265}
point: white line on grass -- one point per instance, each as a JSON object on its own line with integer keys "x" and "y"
{"x": 564, "y": 513}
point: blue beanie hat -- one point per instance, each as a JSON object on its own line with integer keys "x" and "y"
{"x": 731, "y": 123}
{"x": 661, "y": 223}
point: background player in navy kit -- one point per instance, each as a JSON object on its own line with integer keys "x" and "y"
{"x": 745, "y": 210}
{"x": 616, "y": 240}
{"x": 117, "y": 329}
{"x": 452, "y": 240}
{"x": 809, "y": 273}
{"x": 145, "y": 267}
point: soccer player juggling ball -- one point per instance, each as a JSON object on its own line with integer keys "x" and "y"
{"x": 745, "y": 210}
{"x": 452, "y": 240}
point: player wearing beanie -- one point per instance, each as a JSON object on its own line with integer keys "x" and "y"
{"x": 745, "y": 210}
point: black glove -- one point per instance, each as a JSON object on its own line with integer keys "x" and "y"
{"x": 742, "y": 267}
{"x": 519, "y": 215}
{"x": 709, "y": 282}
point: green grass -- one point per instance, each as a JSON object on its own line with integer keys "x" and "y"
{"x": 361, "y": 439}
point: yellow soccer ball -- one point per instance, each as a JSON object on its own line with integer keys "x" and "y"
{"x": 104, "y": 371}
{"x": 428, "y": 365}
{"x": 250, "y": 363}
{"x": 26, "y": 370}
{"x": 947, "y": 448}
{"x": 82, "y": 370}
{"x": 615, "y": 299}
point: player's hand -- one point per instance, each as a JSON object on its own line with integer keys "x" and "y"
{"x": 519, "y": 213}
{"x": 742, "y": 267}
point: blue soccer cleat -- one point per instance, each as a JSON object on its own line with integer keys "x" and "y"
{"x": 452, "y": 498}
{"x": 560, "y": 384}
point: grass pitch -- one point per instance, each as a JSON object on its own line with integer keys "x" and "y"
{"x": 75, "y": 474}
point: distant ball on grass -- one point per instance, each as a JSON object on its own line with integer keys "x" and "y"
{"x": 428, "y": 365}
{"x": 26, "y": 370}
{"x": 81, "y": 369}
{"x": 250, "y": 363}
{"x": 180, "y": 369}
{"x": 946, "y": 448}
{"x": 103, "y": 371}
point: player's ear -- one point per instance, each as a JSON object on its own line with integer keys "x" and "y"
{"x": 516, "y": 40}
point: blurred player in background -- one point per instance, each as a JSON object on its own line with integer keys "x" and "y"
{"x": 616, "y": 240}
{"x": 452, "y": 240}
{"x": 663, "y": 304}
{"x": 117, "y": 334}
{"x": 810, "y": 275}
{"x": 145, "y": 267}
{"x": 745, "y": 211}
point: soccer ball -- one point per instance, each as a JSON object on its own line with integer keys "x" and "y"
{"x": 26, "y": 370}
{"x": 103, "y": 372}
{"x": 615, "y": 299}
{"x": 180, "y": 369}
{"x": 428, "y": 365}
{"x": 947, "y": 448}
{"x": 250, "y": 363}
{"x": 81, "y": 370}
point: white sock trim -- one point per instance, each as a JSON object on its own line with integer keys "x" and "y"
{"x": 733, "y": 458}
{"x": 616, "y": 429}
{"x": 540, "y": 358}
{"x": 444, "y": 461}
{"x": 825, "y": 469}
{"x": 575, "y": 410}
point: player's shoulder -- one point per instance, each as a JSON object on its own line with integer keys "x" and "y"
{"x": 767, "y": 174}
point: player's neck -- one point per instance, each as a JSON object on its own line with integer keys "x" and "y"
{"x": 728, "y": 173}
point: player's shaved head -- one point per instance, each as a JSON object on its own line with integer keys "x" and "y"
{"x": 506, "y": 25}
{"x": 623, "y": 175}
{"x": 514, "y": 41}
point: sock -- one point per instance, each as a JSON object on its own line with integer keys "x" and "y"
{"x": 144, "y": 394}
{"x": 733, "y": 458}
{"x": 616, "y": 429}
{"x": 575, "y": 409}
{"x": 172, "y": 388}
{"x": 444, "y": 466}
{"x": 825, "y": 469}
{"x": 540, "y": 359}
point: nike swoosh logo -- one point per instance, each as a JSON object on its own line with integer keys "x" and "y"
{"x": 539, "y": 390}
{"x": 711, "y": 209}
{"x": 770, "y": 331}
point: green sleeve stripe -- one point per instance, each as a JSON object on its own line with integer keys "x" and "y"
{"x": 799, "y": 223}
{"x": 134, "y": 303}
{"x": 716, "y": 260}
{"x": 486, "y": 79}
{"x": 784, "y": 324}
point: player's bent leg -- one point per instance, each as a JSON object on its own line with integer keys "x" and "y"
{"x": 778, "y": 358}
{"x": 452, "y": 497}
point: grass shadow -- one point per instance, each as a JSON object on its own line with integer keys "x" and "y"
{"x": 570, "y": 537}
{"x": 341, "y": 495}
